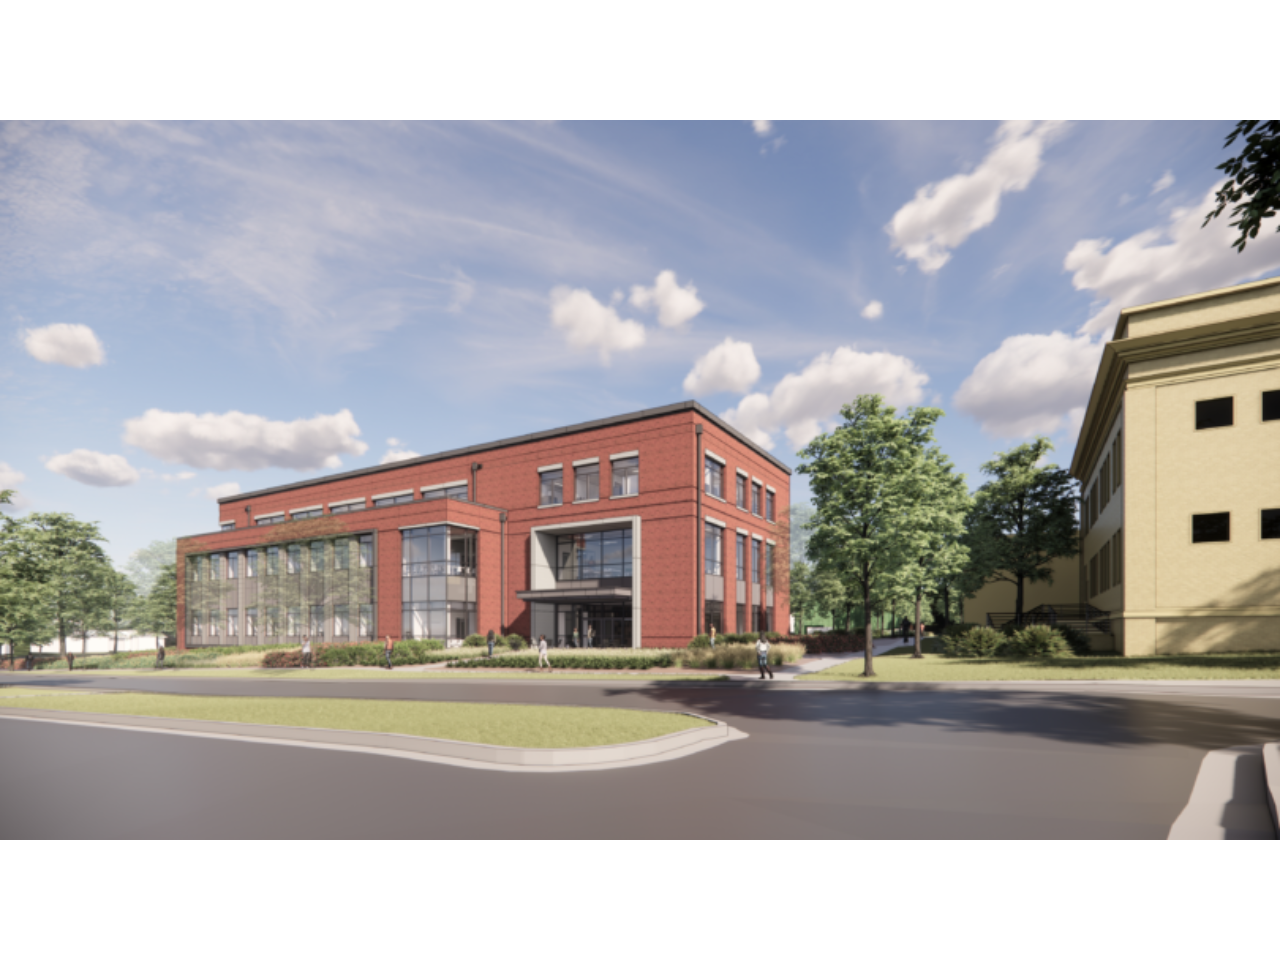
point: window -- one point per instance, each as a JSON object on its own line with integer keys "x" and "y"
{"x": 233, "y": 565}
{"x": 229, "y": 525}
{"x": 272, "y": 625}
{"x": 215, "y": 566}
{"x": 626, "y": 477}
{"x": 456, "y": 492}
{"x": 768, "y": 565}
{"x": 755, "y": 619}
{"x": 366, "y": 550}
{"x": 714, "y": 613}
{"x": 1271, "y": 524}
{"x": 317, "y": 620}
{"x": 394, "y": 499}
{"x": 307, "y": 514}
{"x": 597, "y": 555}
{"x": 1270, "y": 405}
{"x": 551, "y": 488}
{"x": 197, "y": 622}
{"x": 742, "y": 556}
{"x": 293, "y": 561}
{"x": 293, "y": 621}
{"x": 273, "y": 561}
{"x": 713, "y": 478}
{"x": 1215, "y": 413}
{"x": 742, "y": 492}
{"x": 586, "y": 482}
{"x": 233, "y": 622}
{"x": 317, "y": 556}
{"x": 1210, "y": 527}
{"x": 268, "y": 521}
{"x": 1093, "y": 577}
{"x": 212, "y": 618}
{"x": 251, "y": 621}
{"x": 768, "y": 505}
{"x": 348, "y": 507}
{"x": 1115, "y": 559}
{"x": 366, "y": 619}
{"x": 755, "y": 498}
{"x": 1115, "y": 464}
{"x": 741, "y": 622}
{"x": 755, "y": 561}
{"x": 1119, "y": 477}
{"x": 341, "y": 620}
{"x": 1104, "y": 565}
{"x": 251, "y": 563}
{"x": 342, "y": 555}
{"x": 713, "y": 545}
{"x": 1104, "y": 478}
{"x": 1093, "y": 504}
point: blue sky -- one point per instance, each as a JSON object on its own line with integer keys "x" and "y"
{"x": 190, "y": 309}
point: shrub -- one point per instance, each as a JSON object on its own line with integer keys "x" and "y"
{"x": 818, "y": 643}
{"x": 559, "y": 660}
{"x": 1076, "y": 640}
{"x": 514, "y": 641}
{"x": 737, "y": 656}
{"x": 977, "y": 642}
{"x": 476, "y": 640}
{"x": 1038, "y": 641}
{"x": 701, "y": 642}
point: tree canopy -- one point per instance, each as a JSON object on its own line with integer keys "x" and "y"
{"x": 1254, "y": 186}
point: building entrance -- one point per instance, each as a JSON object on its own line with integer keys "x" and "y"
{"x": 597, "y": 625}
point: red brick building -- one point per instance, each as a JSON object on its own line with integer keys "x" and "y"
{"x": 636, "y": 530}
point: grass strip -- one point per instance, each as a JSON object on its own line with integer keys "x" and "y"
{"x": 901, "y": 668}
{"x": 499, "y": 724}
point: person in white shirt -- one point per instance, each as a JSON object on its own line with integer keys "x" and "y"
{"x": 542, "y": 652}
{"x": 306, "y": 651}
{"x": 762, "y": 656}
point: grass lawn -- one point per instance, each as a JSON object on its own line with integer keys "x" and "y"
{"x": 507, "y": 725}
{"x": 898, "y": 666}
{"x": 400, "y": 673}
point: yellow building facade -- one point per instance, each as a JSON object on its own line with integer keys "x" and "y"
{"x": 1001, "y": 597}
{"x": 1179, "y": 465}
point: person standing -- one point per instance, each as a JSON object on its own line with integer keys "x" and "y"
{"x": 762, "y": 656}
{"x": 160, "y": 654}
{"x": 490, "y": 644}
{"x": 387, "y": 648}
{"x": 542, "y": 652}
{"x": 576, "y": 641}
{"x": 713, "y": 636}
{"x": 71, "y": 661}
{"x": 306, "y": 652}
{"x": 591, "y": 636}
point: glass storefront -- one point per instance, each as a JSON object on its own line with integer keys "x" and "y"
{"x": 597, "y": 625}
{"x": 438, "y": 585}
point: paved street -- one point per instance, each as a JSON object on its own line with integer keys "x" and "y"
{"x": 1060, "y": 761}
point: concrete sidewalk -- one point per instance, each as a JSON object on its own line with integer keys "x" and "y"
{"x": 790, "y": 671}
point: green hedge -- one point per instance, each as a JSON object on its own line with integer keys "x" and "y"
{"x": 577, "y": 661}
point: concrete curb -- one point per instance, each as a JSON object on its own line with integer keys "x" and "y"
{"x": 1271, "y": 773}
{"x": 452, "y": 752}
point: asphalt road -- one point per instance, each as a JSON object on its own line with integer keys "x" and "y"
{"x": 865, "y": 762}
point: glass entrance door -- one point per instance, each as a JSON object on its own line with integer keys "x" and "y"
{"x": 597, "y": 625}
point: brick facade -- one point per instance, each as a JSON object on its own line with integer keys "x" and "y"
{"x": 506, "y": 486}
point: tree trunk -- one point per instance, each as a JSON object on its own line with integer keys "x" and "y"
{"x": 62, "y": 637}
{"x": 918, "y": 654}
{"x": 115, "y": 641}
{"x": 1018, "y": 604}
{"x": 868, "y": 654}
{"x": 946, "y": 604}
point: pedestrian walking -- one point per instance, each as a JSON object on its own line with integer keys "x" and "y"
{"x": 762, "y": 656}
{"x": 306, "y": 652}
{"x": 542, "y": 652}
{"x": 591, "y": 636}
{"x": 71, "y": 661}
{"x": 387, "y": 648}
{"x": 490, "y": 644}
{"x": 576, "y": 641}
{"x": 160, "y": 654}
{"x": 713, "y": 636}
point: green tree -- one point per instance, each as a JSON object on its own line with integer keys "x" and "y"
{"x": 123, "y": 606}
{"x": 1254, "y": 186}
{"x": 870, "y": 483}
{"x": 800, "y": 516}
{"x": 1023, "y": 519}
{"x": 145, "y": 563}
{"x": 57, "y": 553}
{"x": 158, "y": 612}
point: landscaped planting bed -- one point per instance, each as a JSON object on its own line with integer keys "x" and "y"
{"x": 576, "y": 660}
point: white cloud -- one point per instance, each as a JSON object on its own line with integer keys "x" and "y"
{"x": 589, "y": 323}
{"x": 1032, "y": 383}
{"x": 393, "y": 441}
{"x": 873, "y": 310}
{"x": 222, "y": 490}
{"x": 762, "y": 127}
{"x": 675, "y": 304}
{"x": 1164, "y": 183}
{"x": 95, "y": 469}
{"x": 9, "y": 480}
{"x": 1173, "y": 260}
{"x": 729, "y": 366}
{"x": 70, "y": 344}
{"x": 942, "y": 215}
{"x": 395, "y": 455}
{"x": 184, "y": 475}
{"x": 245, "y": 441}
{"x": 803, "y": 404}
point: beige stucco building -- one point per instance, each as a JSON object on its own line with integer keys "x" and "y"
{"x": 1001, "y": 596}
{"x": 1179, "y": 462}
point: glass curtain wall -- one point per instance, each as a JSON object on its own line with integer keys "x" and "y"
{"x": 317, "y": 577}
{"x": 438, "y": 585}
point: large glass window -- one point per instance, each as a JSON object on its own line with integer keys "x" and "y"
{"x": 586, "y": 482}
{"x": 595, "y": 555}
{"x": 251, "y": 563}
{"x": 714, "y": 611}
{"x": 366, "y": 550}
{"x": 768, "y": 505}
{"x": 768, "y": 565}
{"x": 272, "y": 625}
{"x": 273, "y": 561}
{"x": 742, "y": 492}
{"x": 233, "y": 565}
{"x": 755, "y": 498}
{"x": 713, "y": 478}
{"x": 251, "y": 621}
{"x": 215, "y": 566}
{"x": 293, "y": 622}
{"x": 755, "y": 561}
{"x": 713, "y": 550}
{"x": 212, "y": 619}
{"x": 551, "y": 487}
{"x": 437, "y": 586}
{"x": 626, "y": 477}
{"x": 293, "y": 562}
{"x": 742, "y": 556}
{"x": 342, "y": 555}
{"x": 233, "y": 623}
{"x": 1210, "y": 527}
{"x": 341, "y": 620}
{"x": 317, "y": 556}
{"x": 1219, "y": 412}
{"x": 197, "y": 623}
{"x": 317, "y": 620}
{"x": 741, "y": 622}
{"x": 366, "y": 619}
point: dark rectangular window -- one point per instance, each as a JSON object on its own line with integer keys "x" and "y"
{"x": 551, "y": 487}
{"x": 594, "y": 556}
{"x": 273, "y": 561}
{"x": 1215, "y": 413}
{"x": 307, "y": 514}
{"x": 1271, "y": 524}
{"x": 768, "y": 565}
{"x": 742, "y": 492}
{"x": 713, "y": 547}
{"x": 742, "y": 557}
{"x": 741, "y": 622}
{"x": 456, "y": 492}
{"x": 586, "y": 482}
{"x": 347, "y": 508}
{"x": 251, "y": 563}
{"x": 393, "y": 501}
{"x": 755, "y": 498}
{"x": 714, "y": 616}
{"x": 755, "y": 561}
{"x": 366, "y": 550}
{"x": 268, "y": 521}
{"x": 626, "y": 477}
{"x": 229, "y": 525}
{"x": 1210, "y": 527}
{"x": 768, "y": 506}
{"x": 1271, "y": 405}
